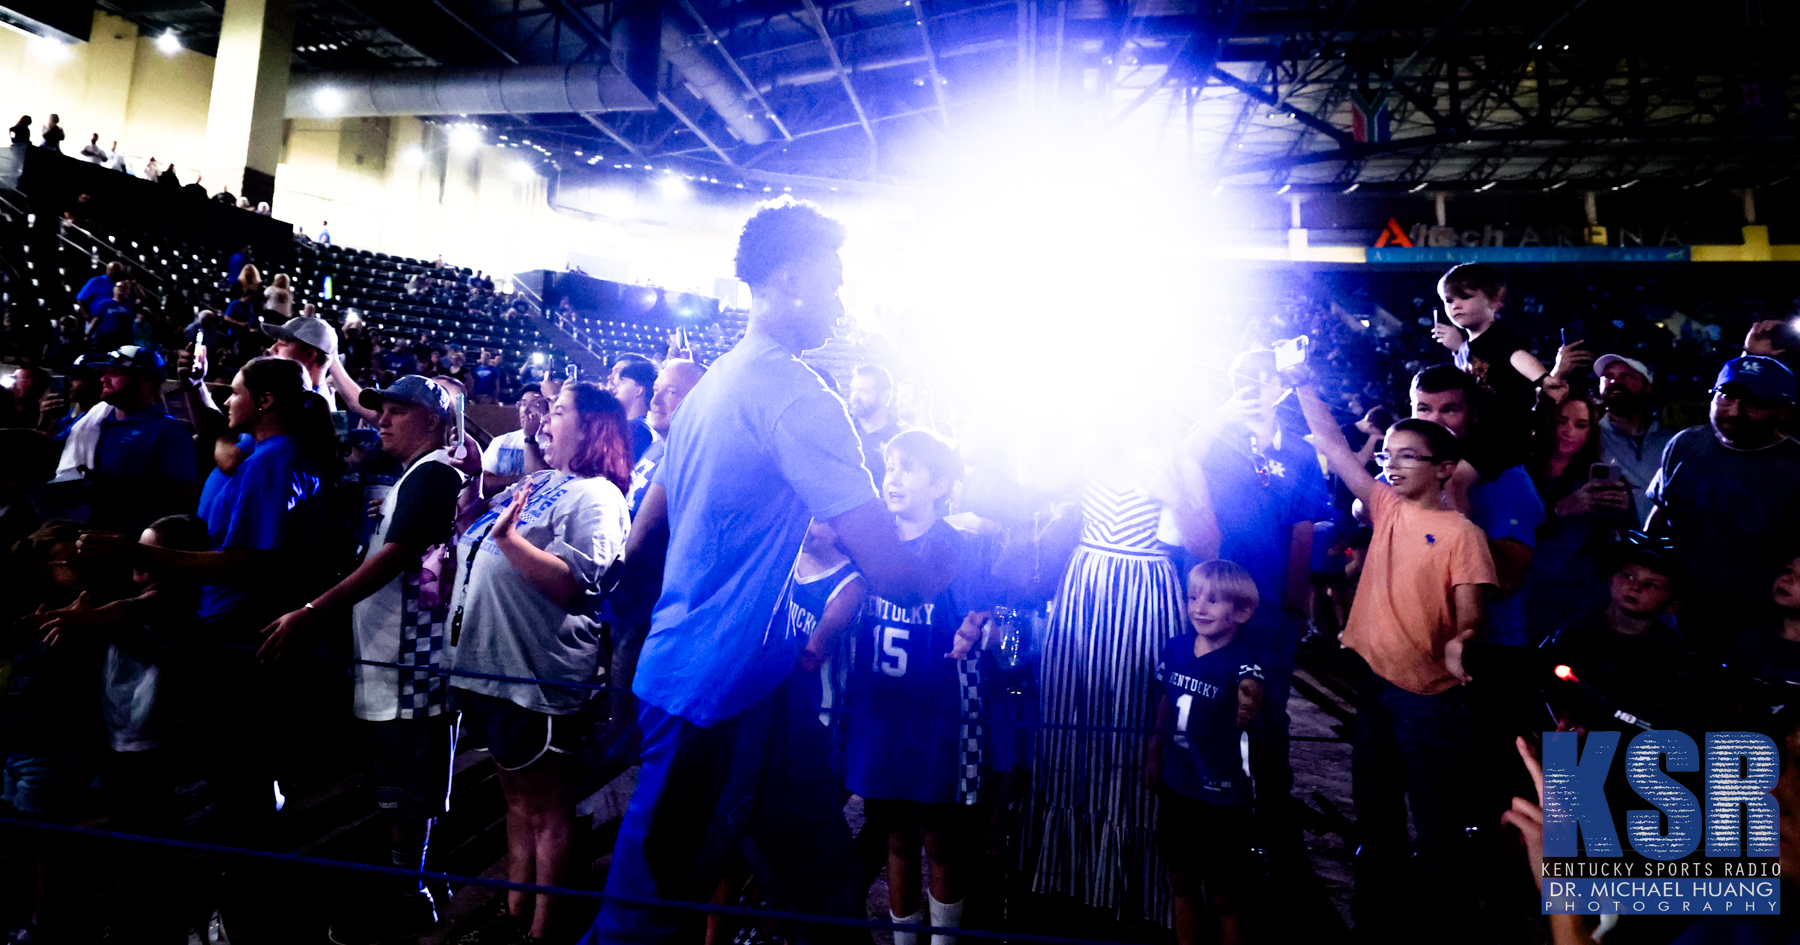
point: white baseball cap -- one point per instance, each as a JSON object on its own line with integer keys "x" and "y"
{"x": 1601, "y": 363}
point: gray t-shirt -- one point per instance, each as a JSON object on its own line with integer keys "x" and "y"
{"x": 1731, "y": 514}
{"x": 1636, "y": 458}
{"x": 511, "y": 628}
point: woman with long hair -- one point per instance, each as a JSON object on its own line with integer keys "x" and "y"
{"x": 1585, "y": 503}
{"x": 250, "y": 285}
{"x": 526, "y": 591}
{"x": 279, "y": 298}
{"x": 262, "y": 520}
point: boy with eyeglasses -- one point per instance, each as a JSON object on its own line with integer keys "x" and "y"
{"x": 1418, "y": 606}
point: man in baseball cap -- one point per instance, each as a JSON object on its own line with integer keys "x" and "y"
{"x": 416, "y": 390}
{"x": 1729, "y": 494}
{"x": 144, "y": 465}
{"x": 411, "y": 727}
{"x": 1631, "y": 438}
{"x": 313, "y": 343}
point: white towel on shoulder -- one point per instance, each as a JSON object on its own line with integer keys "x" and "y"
{"x": 79, "y": 448}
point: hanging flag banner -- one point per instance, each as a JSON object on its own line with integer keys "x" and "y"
{"x": 1369, "y": 117}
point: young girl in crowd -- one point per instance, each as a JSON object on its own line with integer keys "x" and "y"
{"x": 526, "y": 590}
{"x": 913, "y": 718}
{"x": 52, "y": 715}
{"x": 147, "y": 637}
{"x": 1211, "y": 688}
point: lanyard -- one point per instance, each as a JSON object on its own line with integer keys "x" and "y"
{"x": 468, "y": 571}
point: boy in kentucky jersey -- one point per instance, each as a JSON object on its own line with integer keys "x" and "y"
{"x": 913, "y": 720}
{"x": 1211, "y": 689}
{"x": 825, "y": 597}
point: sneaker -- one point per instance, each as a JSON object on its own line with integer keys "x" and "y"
{"x": 391, "y": 920}
{"x": 502, "y": 929}
{"x": 30, "y": 933}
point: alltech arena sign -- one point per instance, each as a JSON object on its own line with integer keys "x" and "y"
{"x": 1682, "y": 855}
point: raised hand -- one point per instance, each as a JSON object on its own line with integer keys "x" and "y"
{"x": 1449, "y": 336}
{"x": 970, "y": 634}
{"x": 502, "y": 531}
{"x": 1528, "y": 815}
{"x": 1571, "y": 359}
{"x": 1761, "y": 339}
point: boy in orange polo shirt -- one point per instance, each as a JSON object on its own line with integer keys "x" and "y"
{"x": 1418, "y": 604}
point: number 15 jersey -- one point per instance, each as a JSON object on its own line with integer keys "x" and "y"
{"x": 913, "y": 719}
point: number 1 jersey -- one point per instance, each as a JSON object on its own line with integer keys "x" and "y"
{"x": 1201, "y": 760}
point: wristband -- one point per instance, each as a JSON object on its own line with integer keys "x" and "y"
{"x": 308, "y": 606}
{"x": 1539, "y": 383}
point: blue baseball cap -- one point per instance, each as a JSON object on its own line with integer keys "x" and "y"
{"x": 1759, "y": 377}
{"x": 412, "y": 389}
{"x": 132, "y": 358}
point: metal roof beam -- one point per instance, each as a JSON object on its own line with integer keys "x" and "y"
{"x": 699, "y": 132}
{"x": 1300, "y": 115}
{"x": 931, "y": 62}
{"x": 576, "y": 19}
{"x": 818, "y": 24}
{"x": 736, "y": 69}
{"x": 607, "y": 130}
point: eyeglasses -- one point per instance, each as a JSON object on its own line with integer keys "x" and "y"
{"x": 1402, "y": 459}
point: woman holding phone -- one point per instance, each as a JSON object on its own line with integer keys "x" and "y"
{"x": 526, "y": 592}
{"x": 1585, "y": 503}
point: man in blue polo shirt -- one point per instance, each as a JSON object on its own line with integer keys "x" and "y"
{"x": 734, "y": 760}
{"x": 99, "y": 288}
{"x": 144, "y": 466}
{"x": 1504, "y": 502}
{"x": 110, "y": 326}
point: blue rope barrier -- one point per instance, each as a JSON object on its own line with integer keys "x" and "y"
{"x": 596, "y": 687}
{"x": 641, "y": 901}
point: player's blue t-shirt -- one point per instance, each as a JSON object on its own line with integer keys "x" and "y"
{"x": 807, "y": 599}
{"x": 914, "y": 725}
{"x": 1201, "y": 760}
{"x": 270, "y": 503}
{"x": 758, "y": 450}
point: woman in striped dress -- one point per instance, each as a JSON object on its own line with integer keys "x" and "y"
{"x": 1092, "y": 820}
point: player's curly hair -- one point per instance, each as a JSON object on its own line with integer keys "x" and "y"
{"x": 780, "y": 232}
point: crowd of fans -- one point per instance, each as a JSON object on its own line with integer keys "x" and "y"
{"x": 51, "y": 136}
{"x": 796, "y": 596}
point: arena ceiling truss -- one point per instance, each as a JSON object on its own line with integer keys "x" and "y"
{"x": 1320, "y": 96}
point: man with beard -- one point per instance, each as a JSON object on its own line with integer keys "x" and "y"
{"x": 1631, "y": 438}
{"x": 144, "y": 465}
{"x": 871, "y": 401}
{"x": 1729, "y": 496}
